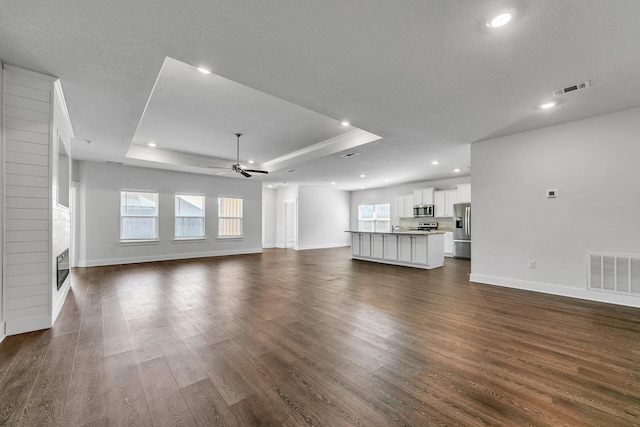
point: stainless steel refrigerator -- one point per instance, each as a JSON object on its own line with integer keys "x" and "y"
{"x": 462, "y": 230}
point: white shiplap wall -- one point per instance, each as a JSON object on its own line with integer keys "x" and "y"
{"x": 28, "y": 165}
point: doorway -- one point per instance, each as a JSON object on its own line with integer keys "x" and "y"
{"x": 290, "y": 224}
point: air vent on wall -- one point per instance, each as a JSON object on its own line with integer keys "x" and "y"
{"x": 572, "y": 88}
{"x": 349, "y": 155}
{"x": 109, "y": 162}
{"x": 614, "y": 273}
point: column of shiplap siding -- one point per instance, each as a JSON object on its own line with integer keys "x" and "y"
{"x": 27, "y": 111}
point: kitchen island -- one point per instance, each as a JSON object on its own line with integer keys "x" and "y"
{"x": 419, "y": 249}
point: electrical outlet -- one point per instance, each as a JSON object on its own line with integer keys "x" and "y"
{"x": 551, "y": 194}
{"x": 532, "y": 263}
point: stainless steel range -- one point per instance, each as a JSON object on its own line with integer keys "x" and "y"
{"x": 427, "y": 226}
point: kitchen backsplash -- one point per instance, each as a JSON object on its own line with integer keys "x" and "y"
{"x": 444, "y": 223}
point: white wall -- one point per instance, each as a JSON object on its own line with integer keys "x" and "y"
{"x": 2, "y": 328}
{"x": 99, "y": 214}
{"x": 593, "y": 164}
{"x": 269, "y": 199}
{"x": 323, "y": 217}
{"x": 388, "y": 194}
{"x": 60, "y": 215}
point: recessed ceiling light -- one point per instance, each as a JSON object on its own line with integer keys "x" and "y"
{"x": 499, "y": 21}
{"x": 333, "y": 183}
{"x": 547, "y": 105}
{"x": 362, "y": 188}
{"x": 435, "y": 162}
{"x": 456, "y": 170}
{"x": 386, "y": 180}
{"x": 269, "y": 185}
{"x": 204, "y": 70}
{"x": 152, "y": 144}
{"x": 345, "y": 123}
{"x": 362, "y": 176}
{"x": 251, "y": 161}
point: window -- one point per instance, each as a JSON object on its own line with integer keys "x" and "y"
{"x": 189, "y": 216}
{"x": 229, "y": 217}
{"x": 375, "y": 217}
{"x": 138, "y": 215}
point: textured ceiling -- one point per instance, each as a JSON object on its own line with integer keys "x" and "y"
{"x": 427, "y": 76}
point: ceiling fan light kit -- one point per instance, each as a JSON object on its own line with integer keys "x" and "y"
{"x": 237, "y": 167}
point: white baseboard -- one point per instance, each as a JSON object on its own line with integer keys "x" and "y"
{"x": 322, "y": 246}
{"x": 2, "y": 333}
{"x": 169, "y": 257}
{"x": 62, "y": 298}
{"x": 269, "y": 246}
{"x": 565, "y": 291}
{"x": 20, "y": 326}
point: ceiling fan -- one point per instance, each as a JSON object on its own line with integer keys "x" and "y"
{"x": 237, "y": 167}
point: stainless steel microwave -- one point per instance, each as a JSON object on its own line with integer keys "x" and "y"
{"x": 422, "y": 211}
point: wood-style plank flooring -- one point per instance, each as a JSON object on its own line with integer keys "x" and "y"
{"x": 288, "y": 338}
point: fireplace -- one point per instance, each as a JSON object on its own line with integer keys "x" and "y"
{"x": 63, "y": 267}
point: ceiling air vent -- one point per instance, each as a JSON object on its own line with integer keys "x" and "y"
{"x": 109, "y": 162}
{"x": 568, "y": 89}
{"x": 349, "y": 155}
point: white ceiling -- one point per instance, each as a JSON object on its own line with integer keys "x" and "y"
{"x": 428, "y": 77}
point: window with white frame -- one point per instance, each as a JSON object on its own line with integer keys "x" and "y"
{"x": 374, "y": 217}
{"x": 189, "y": 216}
{"x": 229, "y": 217}
{"x": 138, "y": 215}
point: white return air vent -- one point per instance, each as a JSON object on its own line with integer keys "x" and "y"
{"x": 577, "y": 86}
{"x": 614, "y": 273}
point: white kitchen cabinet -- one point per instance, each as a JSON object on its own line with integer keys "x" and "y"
{"x": 355, "y": 244}
{"x": 361, "y": 244}
{"x": 365, "y": 244}
{"x": 404, "y": 247}
{"x": 448, "y": 244}
{"x": 464, "y": 193}
{"x": 377, "y": 245}
{"x": 408, "y": 206}
{"x": 423, "y": 196}
{"x": 390, "y": 247}
{"x": 440, "y": 200}
{"x": 419, "y": 250}
{"x": 444, "y": 201}
{"x": 404, "y": 206}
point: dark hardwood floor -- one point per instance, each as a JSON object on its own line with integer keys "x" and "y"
{"x": 311, "y": 337}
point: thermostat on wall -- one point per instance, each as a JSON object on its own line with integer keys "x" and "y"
{"x": 552, "y": 194}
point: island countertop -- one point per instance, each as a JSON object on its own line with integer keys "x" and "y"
{"x": 418, "y": 232}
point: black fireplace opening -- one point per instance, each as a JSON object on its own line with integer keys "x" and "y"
{"x": 63, "y": 267}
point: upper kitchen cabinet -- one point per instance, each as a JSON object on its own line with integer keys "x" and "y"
{"x": 423, "y": 196}
{"x": 444, "y": 201}
{"x": 464, "y": 193}
{"x": 404, "y": 207}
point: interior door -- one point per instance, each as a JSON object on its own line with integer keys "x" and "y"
{"x": 289, "y": 224}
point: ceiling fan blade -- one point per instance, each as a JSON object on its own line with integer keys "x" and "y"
{"x": 255, "y": 171}
{"x": 243, "y": 172}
